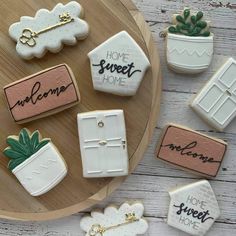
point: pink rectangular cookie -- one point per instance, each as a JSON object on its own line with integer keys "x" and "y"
{"x": 42, "y": 94}
{"x": 191, "y": 150}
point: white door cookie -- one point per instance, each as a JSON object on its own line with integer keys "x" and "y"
{"x": 216, "y": 102}
{"x": 49, "y": 30}
{"x": 103, "y": 143}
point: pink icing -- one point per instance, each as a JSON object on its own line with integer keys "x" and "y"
{"x": 191, "y": 150}
{"x": 43, "y": 93}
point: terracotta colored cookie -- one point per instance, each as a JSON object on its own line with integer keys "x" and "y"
{"x": 191, "y": 150}
{"x": 42, "y": 94}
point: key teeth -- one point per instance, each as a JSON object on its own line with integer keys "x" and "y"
{"x": 65, "y": 17}
{"x": 131, "y": 217}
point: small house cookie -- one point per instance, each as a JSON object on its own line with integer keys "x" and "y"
{"x": 193, "y": 208}
{"x": 103, "y": 144}
{"x": 127, "y": 220}
{"x": 189, "y": 43}
{"x": 35, "y": 162}
{"x": 191, "y": 150}
{"x": 216, "y": 102}
{"x": 42, "y": 94}
{"x": 49, "y": 30}
{"x": 118, "y": 65}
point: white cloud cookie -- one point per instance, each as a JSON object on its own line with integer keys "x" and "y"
{"x": 127, "y": 220}
{"x": 49, "y": 30}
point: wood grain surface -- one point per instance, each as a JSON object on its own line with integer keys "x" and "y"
{"x": 152, "y": 179}
{"x": 76, "y": 193}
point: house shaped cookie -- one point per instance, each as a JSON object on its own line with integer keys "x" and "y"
{"x": 118, "y": 65}
{"x": 193, "y": 208}
{"x": 216, "y": 102}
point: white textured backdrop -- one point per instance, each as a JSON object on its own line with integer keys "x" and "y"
{"x": 152, "y": 178}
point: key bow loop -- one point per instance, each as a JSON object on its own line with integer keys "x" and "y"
{"x": 27, "y": 37}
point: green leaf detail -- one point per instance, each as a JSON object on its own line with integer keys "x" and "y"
{"x": 42, "y": 144}
{"x": 186, "y": 14}
{"x": 196, "y": 31}
{"x": 193, "y": 20}
{"x": 186, "y": 27}
{"x": 14, "y": 163}
{"x": 202, "y": 24}
{"x": 24, "y": 137}
{"x": 206, "y": 34}
{"x": 190, "y": 25}
{"x": 16, "y": 145}
{"x": 13, "y": 154}
{"x": 35, "y": 139}
{"x": 178, "y": 27}
{"x": 180, "y": 19}
{"x": 23, "y": 148}
{"x": 172, "y": 30}
{"x": 199, "y": 15}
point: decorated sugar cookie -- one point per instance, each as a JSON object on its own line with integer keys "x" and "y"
{"x": 42, "y": 94}
{"x": 118, "y": 65}
{"x": 127, "y": 220}
{"x": 193, "y": 208}
{"x": 216, "y": 102}
{"x": 191, "y": 150}
{"x": 35, "y": 162}
{"x": 103, "y": 144}
{"x": 49, "y": 30}
{"x": 189, "y": 43}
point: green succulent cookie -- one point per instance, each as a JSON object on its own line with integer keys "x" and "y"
{"x": 190, "y": 25}
{"x": 23, "y": 146}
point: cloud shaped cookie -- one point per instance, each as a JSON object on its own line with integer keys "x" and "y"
{"x": 127, "y": 220}
{"x": 49, "y": 30}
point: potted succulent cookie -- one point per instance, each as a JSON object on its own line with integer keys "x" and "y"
{"x": 189, "y": 43}
{"x": 35, "y": 162}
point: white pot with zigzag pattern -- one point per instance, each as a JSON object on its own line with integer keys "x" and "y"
{"x": 189, "y": 55}
{"x": 42, "y": 171}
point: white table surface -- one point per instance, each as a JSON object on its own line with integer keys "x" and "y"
{"x": 152, "y": 178}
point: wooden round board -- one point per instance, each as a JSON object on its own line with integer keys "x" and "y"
{"x": 75, "y": 193}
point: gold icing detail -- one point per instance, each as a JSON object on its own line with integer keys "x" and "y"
{"x": 29, "y": 36}
{"x": 98, "y": 230}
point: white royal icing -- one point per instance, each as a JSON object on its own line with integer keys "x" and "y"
{"x": 216, "y": 102}
{"x": 118, "y": 65}
{"x": 103, "y": 144}
{"x": 113, "y": 216}
{"x": 193, "y": 208}
{"x": 51, "y": 40}
{"x": 187, "y": 54}
{"x": 42, "y": 171}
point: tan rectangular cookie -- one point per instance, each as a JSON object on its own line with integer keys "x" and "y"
{"x": 191, "y": 150}
{"x": 42, "y": 94}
